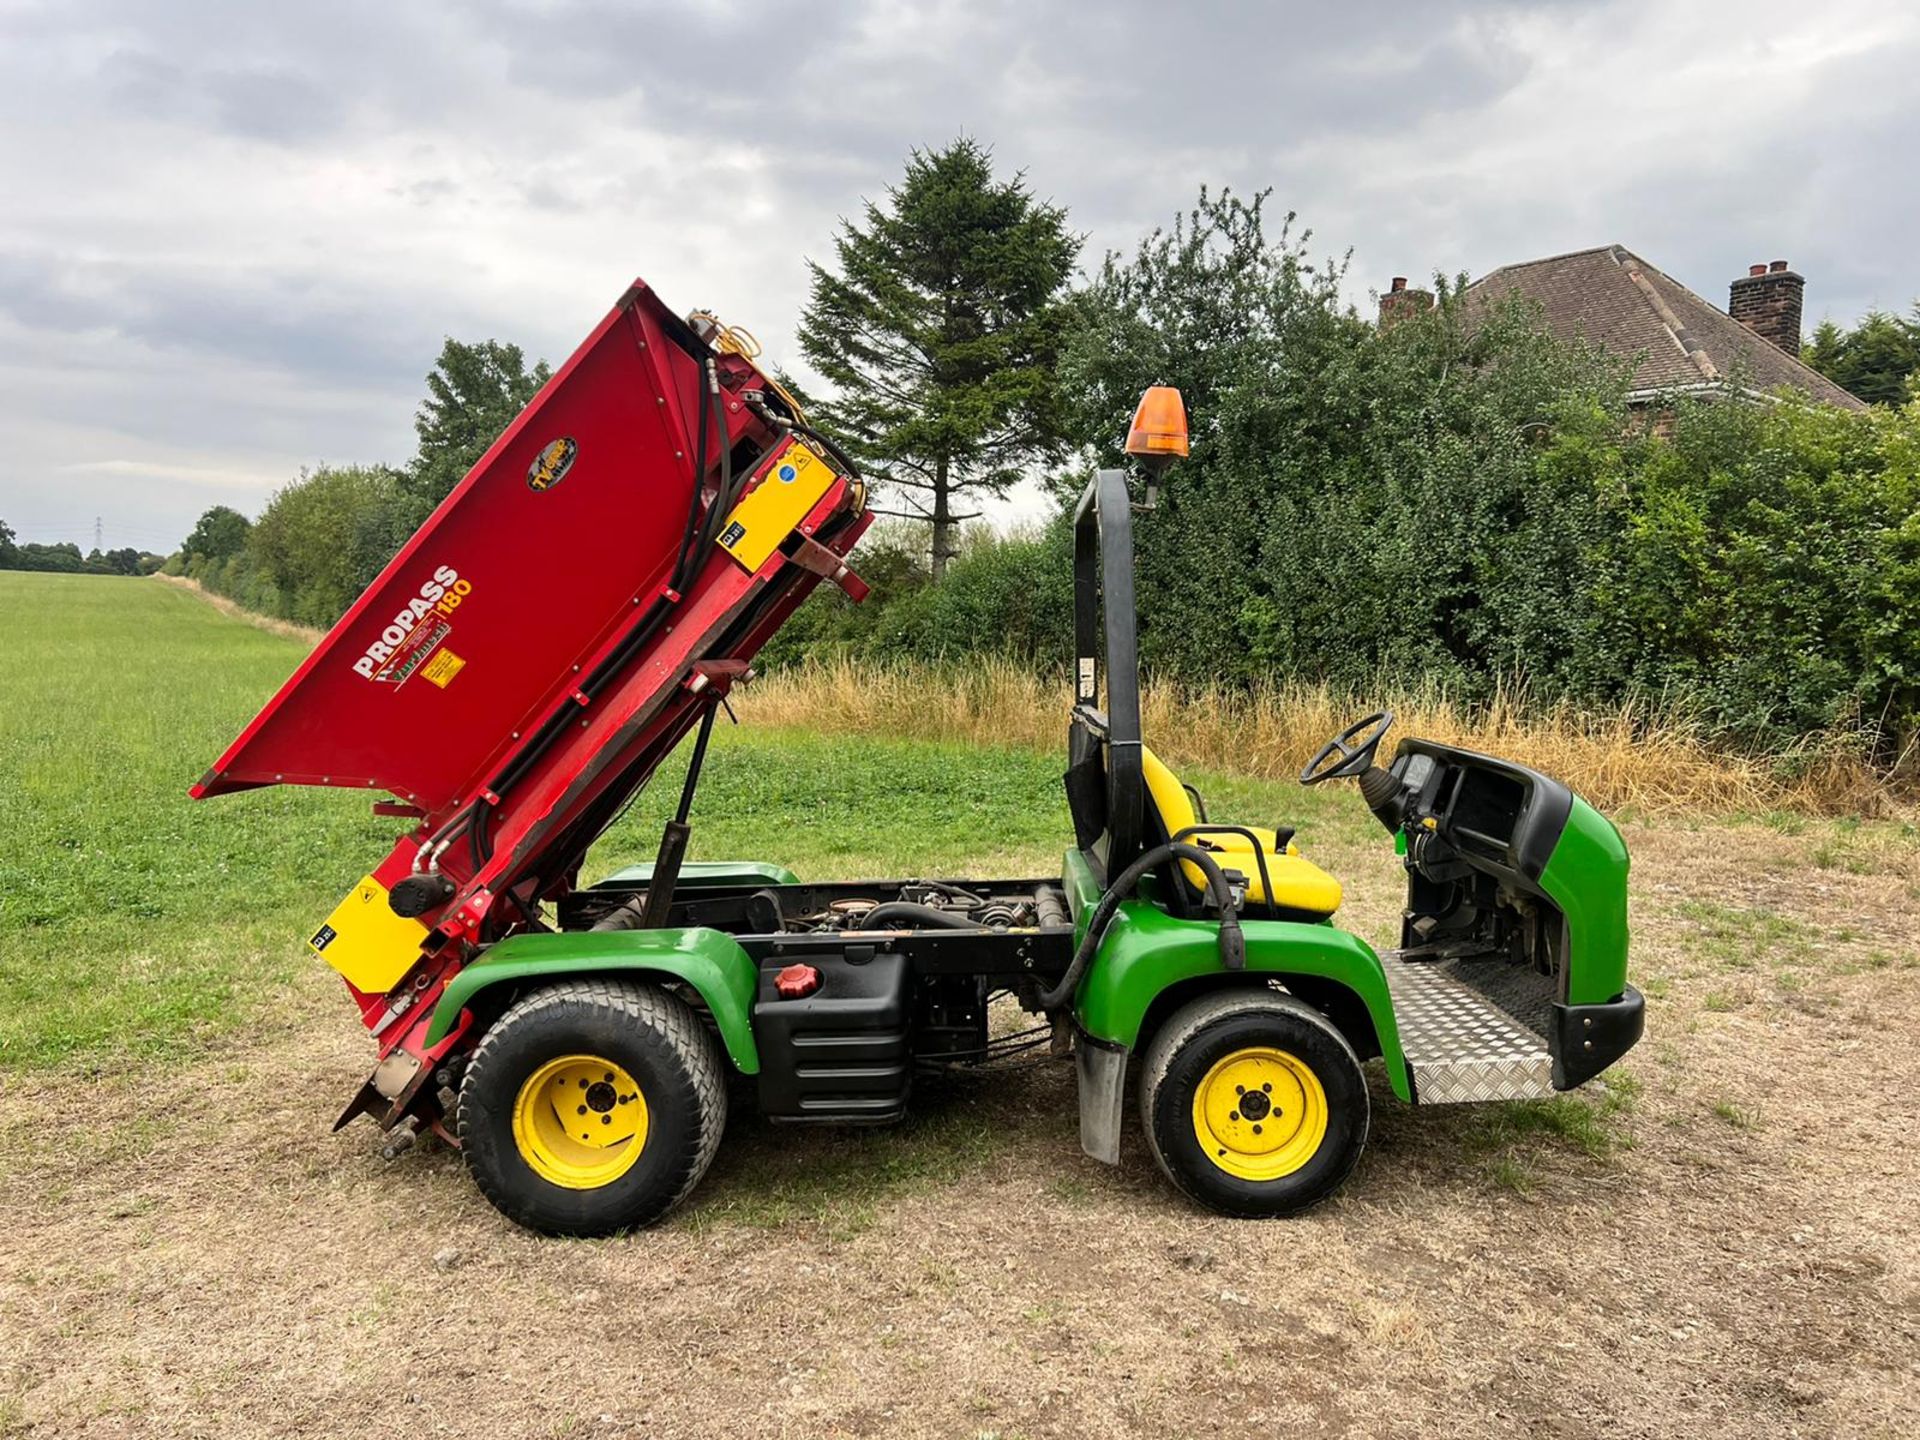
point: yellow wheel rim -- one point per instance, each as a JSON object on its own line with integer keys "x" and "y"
{"x": 580, "y": 1121}
{"x": 1260, "y": 1114}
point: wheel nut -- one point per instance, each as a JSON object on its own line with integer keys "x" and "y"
{"x": 1233, "y": 1115}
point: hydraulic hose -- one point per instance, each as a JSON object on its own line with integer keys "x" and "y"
{"x": 1233, "y": 943}
{"x": 915, "y": 916}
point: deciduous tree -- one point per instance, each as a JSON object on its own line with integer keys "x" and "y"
{"x": 474, "y": 391}
{"x": 219, "y": 533}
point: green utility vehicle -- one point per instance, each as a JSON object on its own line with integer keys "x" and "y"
{"x": 582, "y": 1045}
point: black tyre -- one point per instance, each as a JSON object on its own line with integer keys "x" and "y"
{"x": 1253, "y": 1103}
{"x": 592, "y": 1106}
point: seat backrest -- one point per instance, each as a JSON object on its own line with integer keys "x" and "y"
{"x": 1174, "y": 807}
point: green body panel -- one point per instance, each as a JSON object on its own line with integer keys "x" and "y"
{"x": 1586, "y": 876}
{"x": 1145, "y": 950}
{"x": 711, "y": 872}
{"x": 709, "y": 960}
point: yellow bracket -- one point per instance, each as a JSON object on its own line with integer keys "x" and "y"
{"x": 366, "y": 942}
{"x": 790, "y": 488}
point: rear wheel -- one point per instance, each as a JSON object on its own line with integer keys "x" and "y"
{"x": 1253, "y": 1103}
{"x": 592, "y": 1106}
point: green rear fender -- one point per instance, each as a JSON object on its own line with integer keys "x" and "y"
{"x": 710, "y": 961}
{"x": 1146, "y": 952}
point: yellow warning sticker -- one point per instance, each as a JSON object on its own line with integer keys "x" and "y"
{"x": 441, "y": 669}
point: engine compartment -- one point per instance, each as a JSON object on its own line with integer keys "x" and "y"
{"x": 849, "y": 908}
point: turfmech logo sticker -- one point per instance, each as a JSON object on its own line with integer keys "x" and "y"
{"x": 416, "y": 632}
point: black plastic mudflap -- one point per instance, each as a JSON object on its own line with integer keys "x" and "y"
{"x": 840, "y": 1055}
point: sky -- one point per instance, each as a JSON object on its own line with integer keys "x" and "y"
{"x": 235, "y": 234}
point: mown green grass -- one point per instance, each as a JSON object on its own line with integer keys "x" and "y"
{"x": 130, "y": 917}
{"x": 134, "y": 919}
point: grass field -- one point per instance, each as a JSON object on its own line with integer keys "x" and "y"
{"x": 1722, "y": 1240}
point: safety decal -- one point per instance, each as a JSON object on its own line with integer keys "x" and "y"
{"x": 441, "y": 669}
{"x": 550, "y": 466}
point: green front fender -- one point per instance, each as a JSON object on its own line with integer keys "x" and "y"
{"x": 708, "y": 960}
{"x": 1145, "y": 951}
{"x": 1586, "y": 876}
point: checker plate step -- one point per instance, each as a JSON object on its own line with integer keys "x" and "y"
{"x": 1472, "y": 1029}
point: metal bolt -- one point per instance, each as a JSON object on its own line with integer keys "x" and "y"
{"x": 1239, "y": 1089}
{"x": 1233, "y": 1115}
{"x": 583, "y": 1110}
{"x": 606, "y": 1119}
{"x": 1256, "y": 1129}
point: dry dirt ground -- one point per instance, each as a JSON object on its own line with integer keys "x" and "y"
{"x": 1724, "y": 1245}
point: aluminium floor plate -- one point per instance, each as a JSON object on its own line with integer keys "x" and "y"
{"x": 1472, "y": 1029}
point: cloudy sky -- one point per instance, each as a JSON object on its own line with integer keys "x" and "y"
{"x": 235, "y": 233}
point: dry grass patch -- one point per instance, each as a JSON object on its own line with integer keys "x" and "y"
{"x": 1626, "y": 758}
{"x": 305, "y": 634}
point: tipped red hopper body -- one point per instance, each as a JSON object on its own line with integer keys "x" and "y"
{"x": 593, "y": 586}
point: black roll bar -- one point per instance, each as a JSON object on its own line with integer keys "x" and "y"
{"x": 1103, "y": 592}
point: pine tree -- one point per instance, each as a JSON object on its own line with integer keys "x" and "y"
{"x": 1874, "y": 360}
{"x": 940, "y": 334}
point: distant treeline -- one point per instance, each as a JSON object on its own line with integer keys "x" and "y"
{"x": 65, "y": 558}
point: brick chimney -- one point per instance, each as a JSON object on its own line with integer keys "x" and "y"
{"x": 1399, "y": 303}
{"x": 1767, "y": 300}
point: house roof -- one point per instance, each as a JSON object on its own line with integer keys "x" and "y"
{"x": 1616, "y": 300}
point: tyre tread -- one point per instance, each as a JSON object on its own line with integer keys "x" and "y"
{"x": 1187, "y": 1022}
{"x": 648, "y": 1007}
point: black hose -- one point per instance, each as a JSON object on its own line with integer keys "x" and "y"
{"x": 679, "y": 580}
{"x": 800, "y": 427}
{"x": 1233, "y": 943}
{"x": 919, "y": 916}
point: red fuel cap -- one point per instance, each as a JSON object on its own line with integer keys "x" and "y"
{"x": 796, "y": 982}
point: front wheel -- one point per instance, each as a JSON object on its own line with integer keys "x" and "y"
{"x": 1253, "y": 1103}
{"x": 592, "y": 1106}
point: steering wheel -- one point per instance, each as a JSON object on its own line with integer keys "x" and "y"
{"x": 1354, "y": 746}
